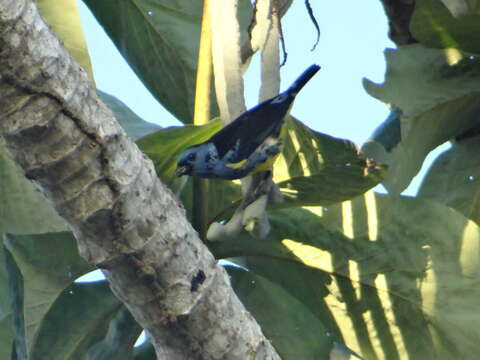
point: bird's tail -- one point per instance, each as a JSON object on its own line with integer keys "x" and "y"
{"x": 303, "y": 79}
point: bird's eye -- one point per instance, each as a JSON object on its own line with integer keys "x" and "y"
{"x": 191, "y": 157}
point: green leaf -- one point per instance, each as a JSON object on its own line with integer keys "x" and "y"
{"x": 393, "y": 277}
{"x": 434, "y": 101}
{"x": 318, "y": 169}
{"x": 52, "y": 324}
{"x": 294, "y": 331}
{"x": 118, "y": 343}
{"x": 6, "y": 311}
{"x": 64, "y": 18}
{"x": 78, "y": 320}
{"x": 159, "y": 39}
{"x": 6, "y": 336}
{"x": 454, "y": 179}
{"x": 4, "y": 295}
{"x": 41, "y": 277}
{"x": 23, "y": 209}
{"x": 133, "y": 124}
{"x": 434, "y": 25}
{"x": 15, "y": 289}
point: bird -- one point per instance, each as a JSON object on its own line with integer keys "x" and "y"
{"x": 243, "y": 147}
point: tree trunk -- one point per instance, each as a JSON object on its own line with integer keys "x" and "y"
{"x": 125, "y": 220}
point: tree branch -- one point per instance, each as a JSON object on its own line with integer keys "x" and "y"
{"x": 399, "y": 13}
{"x": 125, "y": 220}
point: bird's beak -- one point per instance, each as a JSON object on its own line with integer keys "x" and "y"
{"x": 181, "y": 170}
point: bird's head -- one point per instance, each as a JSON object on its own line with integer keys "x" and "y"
{"x": 187, "y": 160}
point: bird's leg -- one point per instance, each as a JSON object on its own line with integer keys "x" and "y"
{"x": 273, "y": 149}
{"x": 259, "y": 185}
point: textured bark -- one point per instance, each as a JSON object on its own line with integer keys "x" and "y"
{"x": 125, "y": 220}
{"x": 399, "y": 13}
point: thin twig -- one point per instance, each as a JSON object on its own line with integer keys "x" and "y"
{"x": 282, "y": 42}
{"x": 315, "y": 23}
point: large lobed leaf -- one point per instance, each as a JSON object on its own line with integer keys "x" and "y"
{"x": 293, "y": 320}
{"x": 159, "y": 39}
{"x": 54, "y": 318}
{"x": 37, "y": 276}
{"x": 392, "y": 277}
{"x": 119, "y": 340}
{"x": 6, "y": 317}
{"x": 454, "y": 179}
{"x": 318, "y": 169}
{"x": 447, "y": 24}
{"x": 6, "y": 336}
{"x": 23, "y": 210}
{"x": 77, "y": 324}
{"x": 434, "y": 101}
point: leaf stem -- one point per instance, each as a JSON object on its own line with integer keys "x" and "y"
{"x": 201, "y": 117}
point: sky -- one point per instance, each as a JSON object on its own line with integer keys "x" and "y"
{"x": 353, "y": 37}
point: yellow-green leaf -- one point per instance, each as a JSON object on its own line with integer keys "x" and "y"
{"x": 23, "y": 210}
{"x": 318, "y": 169}
{"x": 454, "y": 179}
{"x": 457, "y": 26}
{"x": 64, "y": 19}
{"x": 394, "y": 277}
{"x": 436, "y": 99}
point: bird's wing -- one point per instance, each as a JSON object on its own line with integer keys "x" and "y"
{"x": 251, "y": 129}
{"x": 254, "y": 126}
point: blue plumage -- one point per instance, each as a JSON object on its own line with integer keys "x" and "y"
{"x": 237, "y": 149}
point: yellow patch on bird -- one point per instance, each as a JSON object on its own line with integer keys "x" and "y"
{"x": 267, "y": 165}
{"x": 237, "y": 164}
{"x": 264, "y": 166}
